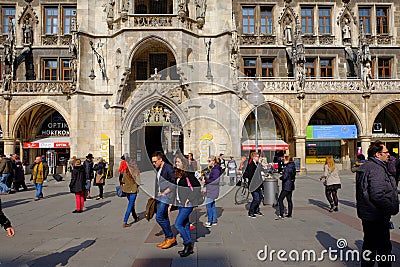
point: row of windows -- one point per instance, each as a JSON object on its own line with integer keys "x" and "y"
{"x": 259, "y": 19}
{"x": 52, "y": 16}
{"x": 314, "y": 67}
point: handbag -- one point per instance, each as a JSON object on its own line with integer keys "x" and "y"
{"x": 100, "y": 179}
{"x": 120, "y": 193}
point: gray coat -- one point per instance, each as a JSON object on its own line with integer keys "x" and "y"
{"x": 376, "y": 192}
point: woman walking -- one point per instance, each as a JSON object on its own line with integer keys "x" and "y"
{"x": 212, "y": 190}
{"x": 19, "y": 177}
{"x": 100, "y": 178}
{"x": 186, "y": 182}
{"x": 130, "y": 186}
{"x": 253, "y": 174}
{"x": 77, "y": 185}
{"x": 288, "y": 178}
{"x": 122, "y": 168}
{"x": 332, "y": 183}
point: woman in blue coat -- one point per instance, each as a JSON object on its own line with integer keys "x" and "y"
{"x": 288, "y": 178}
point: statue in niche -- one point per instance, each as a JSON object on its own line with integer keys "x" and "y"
{"x": 7, "y": 82}
{"x": 288, "y": 30}
{"x": 167, "y": 115}
{"x": 367, "y": 75}
{"x": 27, "y": 32}
{"x": 346, "y": 31}
{"x": 110, "y": 9}
{"x": 201, "y": 8}
{"x": 7, "y": 52}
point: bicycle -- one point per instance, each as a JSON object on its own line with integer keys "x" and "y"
{"x": 242, "y": 193}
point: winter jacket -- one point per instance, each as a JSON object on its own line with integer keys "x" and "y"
{"x": 78, "y": 179}
{"x": 19, "y": 176}
{"x": 5, "y": 166}
{"x": 130, "y": 183}
{"x": 88, "y": 165}
{"x": 253, "y": 174}
{"x": 212, "y": 183}
{"x": 3, "y": 219}
{"x": 376, "y": 192}
{"x": 184, "y": 191}
{"x": 288, "y": 177}
{"x": 331, "y": 177}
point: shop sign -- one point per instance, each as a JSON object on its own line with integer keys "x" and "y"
{"x": 331, "y": 132}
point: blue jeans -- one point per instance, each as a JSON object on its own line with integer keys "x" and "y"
{"x": 182, "y": 224}
{"x": 3, "y": 183}
{"x": 255, "y": 204}
{"x": 211, "y": 210}
{"x": 38, "y": 190}
{"x": 162, "y": 216}
{"x": 131, "y": 206}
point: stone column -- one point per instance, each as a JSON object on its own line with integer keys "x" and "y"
{"x": 365, "y": 142}
{"x": 9, "y": 146}
{"x": 301, "y": 152}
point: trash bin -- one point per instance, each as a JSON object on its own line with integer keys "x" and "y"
{"x": 271, "y": 191}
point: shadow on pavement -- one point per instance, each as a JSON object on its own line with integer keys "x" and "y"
{"x": 16, "y": 202}
{"x": 98, "y": 205}
{"x": 61, "y": 258}
{"x": 340, "y": 252}
{"x": 348, "y": 203}
{"x": 318, "y": 203}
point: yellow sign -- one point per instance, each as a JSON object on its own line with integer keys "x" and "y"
{"x": 396, "y": 150}
{"x": 207, "y": 137}
{"x": 316, "y": 160}
{"x": 105, "y": 147}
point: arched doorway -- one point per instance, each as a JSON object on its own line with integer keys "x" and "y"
{"x": 275, "y": 133}
{"x": 332, "y": 130}
{"x": 42, "y": 130}
{"x": 386, "y": 127}
{"x": 155, "y": 128}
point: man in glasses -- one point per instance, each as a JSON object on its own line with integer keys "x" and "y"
{"x": 165, "y": 195}
{"x": 377, "y": 201}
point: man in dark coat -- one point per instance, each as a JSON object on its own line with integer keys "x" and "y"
{"x": 288, "y": 178}
{"x": 165, "y": 193}
{"x": 89, "y": 172}
{"x": 377, "y": 201}
{"x": 6, "y": 223}
{"x": 253, "y": 174}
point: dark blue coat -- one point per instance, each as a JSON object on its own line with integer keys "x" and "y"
{"x": 288, "y": 177}
{"x": 167, "y": 180}
{"x": 376, "y": 192}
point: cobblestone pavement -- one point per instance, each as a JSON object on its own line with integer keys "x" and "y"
{"x": 49, "y": 234}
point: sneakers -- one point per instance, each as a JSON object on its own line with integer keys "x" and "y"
{"x": 214, "y": 223}
{"x": 252, "y": 216}
{"x": 259, "y": 213}
{"x": 336, "y": 208}
{"x": 98, "y": 198}
{"x": 279, "y": 217}
{"x": 208, "y": 224}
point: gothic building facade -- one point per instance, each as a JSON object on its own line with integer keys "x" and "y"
{"x": 309, "y": 78}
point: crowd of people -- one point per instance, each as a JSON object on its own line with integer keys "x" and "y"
{"x": 184, "y": 185}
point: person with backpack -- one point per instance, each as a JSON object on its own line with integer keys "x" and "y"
{"x": 187, "y": 193}
{"x": 222, "y": 164}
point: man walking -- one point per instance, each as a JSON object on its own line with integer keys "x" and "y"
{"x": 377, "y": 201}
{"x": 5, "y": 170}
{"x": 89, "y": 172}
{"x": 40, "y": 170}
{"x": 165, "y": 195}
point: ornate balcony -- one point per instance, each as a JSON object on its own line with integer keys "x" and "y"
{"x": 324, "y": 86}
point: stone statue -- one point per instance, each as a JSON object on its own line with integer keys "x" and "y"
{"x": 7, "y": 52}
{"x": 74, "y": 70}
{"x": 288, "y": 30}
{"x": 167, "y": 114}
{"x": 110, "y": 9}
{"x": 346, "y": 31}
{"x": 28, "y": 32}
{"x": 7, "y": 82}
{"x": 201, "y": 8}
{"x": 367, "y": 75}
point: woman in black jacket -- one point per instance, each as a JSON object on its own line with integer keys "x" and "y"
{"x": 288, "y": 178}
{"x": 77, "y": 185}
{"x": 186, "y": 191}
{"x": 100, "y": 177}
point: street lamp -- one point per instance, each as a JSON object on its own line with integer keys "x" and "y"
{"x": 256, "y": 98}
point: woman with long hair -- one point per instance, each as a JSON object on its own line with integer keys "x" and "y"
{"x": 130, "y": 186}
{"x": 212, "y": 190}
{"x": 186, "y": 182}
{"x": 288, "y": 177}
{"x": 100, "y": 178}
{"x": 332, "y": 183}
